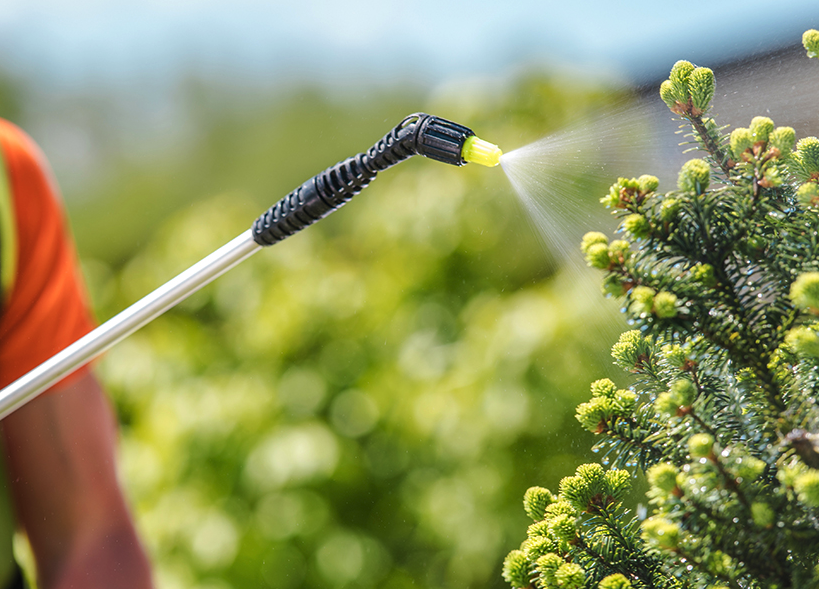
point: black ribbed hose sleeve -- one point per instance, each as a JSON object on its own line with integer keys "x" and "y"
{"x": 420, "y": 134}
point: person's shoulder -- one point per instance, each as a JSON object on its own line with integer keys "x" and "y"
{"x": 17, "y": 144}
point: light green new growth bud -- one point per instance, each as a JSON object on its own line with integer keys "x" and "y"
{"x": 603, "y": 388}
{"x": 616, "y": 581}
{"x": 666, "y": 404}
{"x": 701, "y": 85}
{"x": 594, "y": 414}
{"x": 783, "y": 138}
{"x": 612, "y": 198}
{"x": 808, "y": 194}
{"x": 810, "y": 39}
{"x": 668, "y": 95}
{"x": 661, "y": 532}
{"x": 748, "y": 468}
{"x": 637, "y": 225}
{"x": 679, "y": 76}
{"x": 803, "y": 340}
{"x": 642, "y": 298}
{"x": 807, "y": 155}
{"x": 592, "y": 238}
{"x": 576, "y": 491}
{"x": 762, "y": 514}
{"x": 516, "y": 569}
{"x": 626, "y": 401}
{"x": 807, "y": 488}
{"x": 619, "y": 251}
{"x": 564, "y": 527}
{"x": 617, "y": 483}
{"x": 535, "y": 502}
{"x": 570, "y": 576}
{"x": 534, "y": 548}
{"x": 741, "y": 140}
{"x": 700, "y": 445}
{"x": 669, "y": 209}
{"x": 703, "y": 273}
{"x": 560, "y": 507}
{"x": 695, "y": 176}
{"x": 546, "y": 566}
{"x": 597, "y": 256}
{"x": 674, "y": 355}
{"x": 648, "y": 183}
{"x": 591, "y": 473}
{"x": 538, "y": 529}
{"x": 628, "y": 350}
{"x": 684, "y": 391}
{"x": 805, "y": 291}
{"x": 665, "y": 305}
{"x": 761, "y": 129}
{"x": 663, "y": 476}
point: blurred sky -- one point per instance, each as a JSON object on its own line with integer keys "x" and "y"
{"x": 69, "y": 43}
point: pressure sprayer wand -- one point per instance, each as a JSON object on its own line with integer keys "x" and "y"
{"x": 418, "y": 134}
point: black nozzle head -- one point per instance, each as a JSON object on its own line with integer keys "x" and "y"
{"x": 438, "y": 138}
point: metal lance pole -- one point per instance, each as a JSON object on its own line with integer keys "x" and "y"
{"x": 418, "y": 134}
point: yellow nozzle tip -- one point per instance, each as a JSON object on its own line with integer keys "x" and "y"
{"x": 478, "y": 151}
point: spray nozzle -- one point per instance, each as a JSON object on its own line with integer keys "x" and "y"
{"x": 418, "y": 134}
{"x": 478, "y": 151}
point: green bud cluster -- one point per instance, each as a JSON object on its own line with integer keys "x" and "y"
{"x": 805, "y": 292}
{"x": 669, "y": 207}
{"x": 637, "y": 225}
{"x": 631, "y": 350}
{"x": 688, "y": 89}
{"x": 806, "y": 486}
{"x": 592, "y": 488}
{"x": 783, "y": 139}
{"x": 535, "y": 502}
{"x": 516, "y": 569}
{"x": 542, "y": 557}
{"x": 681, "y": 394}
{"x": 741, "y": 142}
{"x": 537, "y": 545}
{"x": 701, "y": 445}
{"x": 759, "y": 150}
{"x": 661, "y": 532}
{"x": 803, "y": 340}
{"x": 645, "y": 300}
{"x": 570, "y": 576}
{"x": 762, "y": 514}
{"x": 607, "y": 403}
{"x": 810, "y": 40}
{"x": 663, "y": 477}
{"x": 603, "y": 255}
{"x": 616, "y": 581}
{"x": 674, "y": 355}
{"x": 546, "y": 567}
{"x": 761, "y": 129}
{"x": 695, "y": 176}
{"x": 744, "y": 467}
{"x": 808, "y": 194}
{"x": 628, "y": 193}
{"x": 745, "y": 143}
{"x": 703, "y": 274}
{"x": 804, "y": 162}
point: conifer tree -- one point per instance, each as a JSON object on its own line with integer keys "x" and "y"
{"x": 720, "y": 278}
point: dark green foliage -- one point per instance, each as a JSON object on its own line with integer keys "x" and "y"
{"x": 720, "y": 280}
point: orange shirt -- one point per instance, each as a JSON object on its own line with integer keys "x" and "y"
{"x": 46, "y": 307}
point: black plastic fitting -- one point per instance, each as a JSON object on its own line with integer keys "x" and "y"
{"x": 418, "y": 134}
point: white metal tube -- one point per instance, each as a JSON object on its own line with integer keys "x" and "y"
{"x": 126, "y": 322}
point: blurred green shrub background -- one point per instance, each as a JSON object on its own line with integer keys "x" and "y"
{"x": 364, "y": 404}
